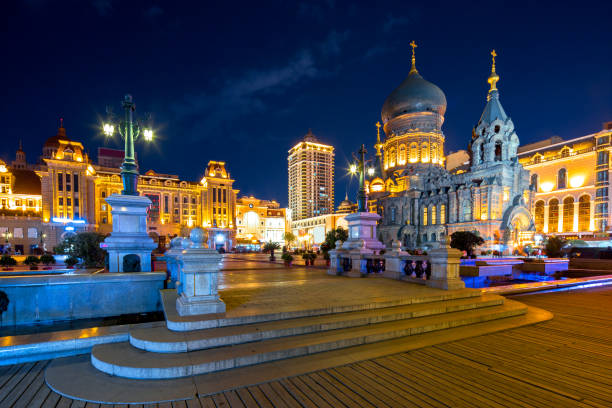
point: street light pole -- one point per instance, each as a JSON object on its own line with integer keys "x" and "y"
{"x": 129, "y": 129}
{"x": 129, "y": 168}
{"x": 362, "y": 199}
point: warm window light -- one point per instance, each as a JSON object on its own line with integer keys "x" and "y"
{"x": 148, "y": 135}
{"x": 353, "y": 168}
{"x": 547, "y": 186}
{"x": 576, "y": 181}
{"x": 371, "y": 171}
{"x": 108, "y": 129}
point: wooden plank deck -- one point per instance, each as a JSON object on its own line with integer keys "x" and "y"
{"x": 565, "y": 362}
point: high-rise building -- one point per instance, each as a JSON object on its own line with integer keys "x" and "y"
{"x": 311, "y": 178}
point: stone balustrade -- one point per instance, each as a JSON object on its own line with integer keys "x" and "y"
{"x": 440, "y": 268}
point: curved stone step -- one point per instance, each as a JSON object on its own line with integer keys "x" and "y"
{"x": 123, "y": 360}
{"x": 162, "y": 340}
{"x": 236, "y": 317}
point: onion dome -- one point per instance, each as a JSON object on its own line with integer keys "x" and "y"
{"x": 415, "y": 94}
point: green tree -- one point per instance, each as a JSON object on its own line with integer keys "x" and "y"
{"x": 338, "y": 234}
{"x": 85, "y": 246}
{"x": 553, "y": 246}
{"x": 289, "y": 238}
{"x": 271, "y": 247}
{"x": 47, "y": 259}
{"x": 465, "y": 241}
{"x": 32, "y": 261}
{"x": 7, "y": 261}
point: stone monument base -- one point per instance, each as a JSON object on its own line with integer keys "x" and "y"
{"x": 197, "y": 305}
{"x": 129, "y": 246}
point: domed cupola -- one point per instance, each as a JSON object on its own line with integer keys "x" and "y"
{"x": 412, "y": 117}
{"x": 414, "y": 95}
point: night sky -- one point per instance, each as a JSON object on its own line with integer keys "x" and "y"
{"x": 243, "y": 83}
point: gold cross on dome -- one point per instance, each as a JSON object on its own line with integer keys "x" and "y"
{"x": 413, "y": 44}
{"x": 493, "y": 55}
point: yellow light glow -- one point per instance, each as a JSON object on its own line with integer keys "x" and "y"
{"x": 371, "y": 171}
{"x": 3, "y": 168}
{"x": 376, "y": 187}
{"x": 79, "y": 159}
{"x": 547, "y": 186}
{"x": 148, "y": 135}
{"x": 576, "y": 181}
{"x": 353, "y": 168}
{"x": 108, "y": 129}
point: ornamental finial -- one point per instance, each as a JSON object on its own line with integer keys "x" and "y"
{"x": 493, "y": 78}
{"x": 413, "y": 69}
{"x": 378, "y": 145}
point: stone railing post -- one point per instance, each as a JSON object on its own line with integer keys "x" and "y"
{"x": 199, "y": 273}
{"x": 445, "y": 267}
{"x": 173, "y": 259}
{"x": 393, "y": 263}
{"x": 335, "y": 266}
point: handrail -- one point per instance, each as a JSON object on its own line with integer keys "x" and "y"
{"x": 561, "y": 156}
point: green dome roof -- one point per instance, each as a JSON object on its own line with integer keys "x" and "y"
{"x": 415, "y": 94}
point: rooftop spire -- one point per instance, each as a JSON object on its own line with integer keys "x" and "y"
{"x": 493, "y": 78}
{"x": 378, "y": 145}
{"x": 413, "y": 68}
{"x": 61, "y": 131}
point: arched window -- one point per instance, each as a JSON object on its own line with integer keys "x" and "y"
{"x": 497, "y": 128}
{"x": 568, "y": 214}
{"x": 498, "y": 150}
{"x": 584, "y": 213}
{"x": 402, "y": 154}
{"x": 424, "y": 215}
{"x": 481, "y": 152}
{"x": 392, "y": 157}
{"x": 534, "y": 182}
{"x": 425, "y": 153}
{"x": 553, "y": 215}
{"x": 414, "y": 153}
{"x": 565, "y": 152}
{"x": 433, "y": 215}
{"x": 539, "y": 216}
{"x": 393, "y": 214}
{"x": 467, "y": 210}
{"x": 537, "y": 158}
{"x": 561, "y": 179}
{"x": 433, "y": 237}
{"x": 434, "y": 152}
{"x": 443, "y": 214}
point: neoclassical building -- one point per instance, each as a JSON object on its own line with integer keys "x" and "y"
{"x": 420, "y": 200}
{"x": 570, "y": 179}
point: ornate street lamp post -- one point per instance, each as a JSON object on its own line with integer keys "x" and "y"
{"x": 130, "y": 130}
{"x": 129, "y": 246}
{"x": 360, "y": 167}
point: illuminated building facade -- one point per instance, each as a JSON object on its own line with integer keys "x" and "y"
{"x": 312, "y": 231}
{"x": 311, "y": 178}
{"x": 20, "y": 208}
{"x": 420, "y": 200}
{"x": 570, "y": 179}
{"x": 259, "y": 221}
{"x": 64, "y": 193}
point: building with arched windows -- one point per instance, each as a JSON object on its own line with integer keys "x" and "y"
{"x": 420, "y": 199}
{"x": 570, "y": 181}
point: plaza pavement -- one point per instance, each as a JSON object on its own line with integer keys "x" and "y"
{"x": 562, "y": 362}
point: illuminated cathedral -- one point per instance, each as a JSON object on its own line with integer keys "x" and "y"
{"x": 422, "y": 198}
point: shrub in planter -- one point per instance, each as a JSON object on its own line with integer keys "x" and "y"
{"x": 32, "y": 261}
{"x": 6, "y": 261}
{"x": 47, "y": 259}
{"x": 71, "y": 261}
{"x": 287, "y": 258}
{"x": 309, "y": 258}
